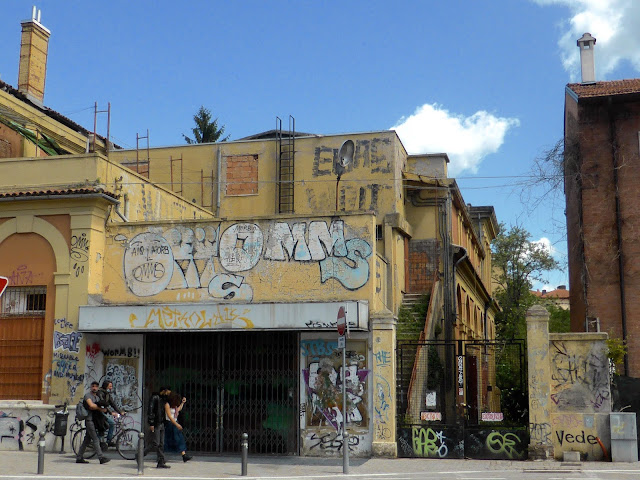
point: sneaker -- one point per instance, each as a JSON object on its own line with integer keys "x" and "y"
{"x": 104, "y": 460}
{"x": 186, "y": 458}
{"x": 104, "y": 446}
{"x": 163, "y": 465}
{"x": 81, "y": 460}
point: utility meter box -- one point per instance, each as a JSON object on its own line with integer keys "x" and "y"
{"x": 624, "y": 437}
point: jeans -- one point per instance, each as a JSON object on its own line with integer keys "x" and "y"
{"x": 90, "y": 436}
{"x": 112, "y": 426}
{"x": 157, "y": 443}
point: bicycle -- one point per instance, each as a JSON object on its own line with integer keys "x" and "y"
{"x": 125, "y": 439}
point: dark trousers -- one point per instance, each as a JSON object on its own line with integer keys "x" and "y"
{"x": 90, "y": 436}
{"x": 157, "y": 443}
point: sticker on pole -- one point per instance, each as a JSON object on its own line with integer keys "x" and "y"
{"x": 342, "y": 322}
{"x": 4, "y": 281}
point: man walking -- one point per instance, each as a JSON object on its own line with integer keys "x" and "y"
{"x": 156, "y": 419}
{"x": 93, "y": 421}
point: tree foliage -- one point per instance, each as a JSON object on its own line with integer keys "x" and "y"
{"x": 517, "y": 263}
{"x": 559, "y": 319}
{"x": 206, "y": 129}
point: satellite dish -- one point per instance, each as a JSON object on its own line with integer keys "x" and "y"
{"x": 345, "y": 155}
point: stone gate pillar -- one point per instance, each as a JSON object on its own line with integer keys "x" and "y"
{"x": 540, "y": 443}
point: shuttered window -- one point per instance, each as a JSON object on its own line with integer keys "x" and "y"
{"x": 22, "y": 312}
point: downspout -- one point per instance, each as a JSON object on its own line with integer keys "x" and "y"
{"x": 218, "y": 196}
{"x": 614, "y": 157}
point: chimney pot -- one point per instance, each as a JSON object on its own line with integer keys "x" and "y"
{"x": 586, "y": 44}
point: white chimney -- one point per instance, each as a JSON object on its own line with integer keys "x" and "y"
{"x": 587, "y": 60}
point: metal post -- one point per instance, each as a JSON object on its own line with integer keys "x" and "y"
{"x": 41, "y": 444}
{"x": 244, "y": 445}
{"x": 345, "y": 435}
{"x": 140, "y": 453}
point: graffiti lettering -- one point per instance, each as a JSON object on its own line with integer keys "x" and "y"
{"x": 383, "y": 358}
{"x": 351, "y": 271}
{"x": 540, "y": 433}
{"x": 67, "y": 341}
{"x": 23, "y": 276}
{"x": 429, "y": 443}
{"x": 316, "y": 348}
{"x": 173, "y": 318}
{"x": 504, "y": 443}
{"x": 579, "y": 438}
{"x": 332, "y": 441}
{"x": 62, "y": 323}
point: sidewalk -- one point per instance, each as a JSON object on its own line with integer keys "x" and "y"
{"x": 18, "y": 465}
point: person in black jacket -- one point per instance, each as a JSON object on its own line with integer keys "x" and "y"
{"x": 107, "y": 401}
{"x": 156, "y": 417}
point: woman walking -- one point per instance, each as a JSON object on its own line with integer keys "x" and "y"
{"x": 174, "y": 438}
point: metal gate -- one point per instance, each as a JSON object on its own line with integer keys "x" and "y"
{"x": 234, "y": 383}
{"x": 462, "y": 399}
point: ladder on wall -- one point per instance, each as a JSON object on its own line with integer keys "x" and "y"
{"x": 285, "y": 152}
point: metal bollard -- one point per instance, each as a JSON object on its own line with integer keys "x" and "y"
{"x": 41, "y": 444}
{"x": 244, "y": 445}
{"x": 345, "y": 452}
{"x": 140, "y": 454}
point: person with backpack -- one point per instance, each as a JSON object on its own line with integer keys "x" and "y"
{"x": 156, "y": 417}
{"x": 94, "y": 422}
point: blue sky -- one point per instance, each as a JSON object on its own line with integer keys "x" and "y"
{"x": 481, "y": 81}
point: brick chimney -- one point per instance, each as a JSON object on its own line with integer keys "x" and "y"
{"x": 34, "y": 47}
{"x": 587, "y": 59}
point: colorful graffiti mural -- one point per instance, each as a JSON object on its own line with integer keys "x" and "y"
{"x": 323, "y": 377}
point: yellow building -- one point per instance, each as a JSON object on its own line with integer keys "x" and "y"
{"x": 222, "y": 270}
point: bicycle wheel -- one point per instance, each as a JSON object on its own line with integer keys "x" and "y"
{"x": 127, "y": 443}
{"x": 77, "y": 440}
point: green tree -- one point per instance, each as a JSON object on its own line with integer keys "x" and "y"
{"x": 559, "y": 319}
{"x": 206, "y": 129}
{"x": 517, "y": 262}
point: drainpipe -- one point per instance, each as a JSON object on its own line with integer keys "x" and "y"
{"x": 218, "y": 196}
{"x": 614, "y": 157}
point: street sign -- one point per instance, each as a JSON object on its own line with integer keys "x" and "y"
{"x": 342, "y": 341}
{"x": 4, "y": 281}
{"x": 342, "y": 321}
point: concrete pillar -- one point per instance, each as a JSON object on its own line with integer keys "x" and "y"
{"x": 541, "y": 442}
{"x": 384, "y": 385}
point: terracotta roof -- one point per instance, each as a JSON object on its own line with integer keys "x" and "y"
{"x": 57, "y": 192}
{"x": 603, "y": 89}
{"x": 558, "y": 293}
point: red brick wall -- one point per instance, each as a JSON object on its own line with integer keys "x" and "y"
{"x": 242, "y": 175}
{"x": 423, "y": 262}
{"x": 594, "y": 275}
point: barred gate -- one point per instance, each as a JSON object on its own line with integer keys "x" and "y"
{"x": 462, "y": 399}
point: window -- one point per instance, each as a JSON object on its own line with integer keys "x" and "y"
{"x": 242, "y": 175}
{"x": 379, "y": 232}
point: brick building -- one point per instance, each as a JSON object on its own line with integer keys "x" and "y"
{"x": 602, "y": 179}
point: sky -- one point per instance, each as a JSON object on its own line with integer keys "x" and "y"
{"x": 481, "y": 81}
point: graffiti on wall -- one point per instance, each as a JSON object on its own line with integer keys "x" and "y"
{"x": 332, "y": 442}
{"x": 66, "y": 347}
{"x": 16, "y": 433}
{"x": 22, "y": 275}
{"x": 209, "y": 259}
{"x": 443, "y": 442}
{"x": 169, "y": 317}
{"x": 579, "y": 379}
{"x": 11, "y": 429}
{"x": 123, "y": 372}
{"x": 79, "y": 253}
{"x": 323, "y": 377}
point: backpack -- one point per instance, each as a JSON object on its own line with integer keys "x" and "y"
{"x": 81, "y": 411}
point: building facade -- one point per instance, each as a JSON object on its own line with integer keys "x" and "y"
{"x": 221, "y": 270}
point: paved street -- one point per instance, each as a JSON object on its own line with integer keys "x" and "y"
{"x": 21, "y": 465}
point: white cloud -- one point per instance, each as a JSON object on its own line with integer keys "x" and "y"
{"x": 466, "y": 140}
{"x": 546, "y": 244}
{"x": 614, "y": 23}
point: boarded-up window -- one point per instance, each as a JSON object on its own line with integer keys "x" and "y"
{"x": 22, "y": 311}
{"x": 242, "y": 175}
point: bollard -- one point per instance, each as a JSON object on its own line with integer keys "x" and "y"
{"x": 41, "y": 444}
{"x": 140, "y": 454}
{"x": 345, "y": 452}
{"x": 244, "y": 445}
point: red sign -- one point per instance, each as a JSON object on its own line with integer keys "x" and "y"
{"x": 4, "y": 281}
{"x": 342, "y": 321}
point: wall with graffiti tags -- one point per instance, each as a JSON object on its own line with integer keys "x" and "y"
{"x": 569, "y": 391}
{"x": 321, "y": 400}
{"x": 21, "y": 424}
{"x": 245, "y": 262}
